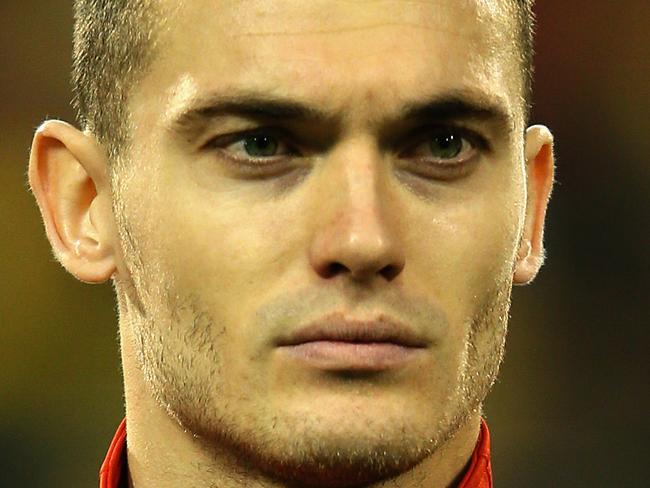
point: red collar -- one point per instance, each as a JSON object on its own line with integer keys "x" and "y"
{"x": 112, "y": 474}
{"x": 113, "y": 471}
{"x": 479, "y": 473}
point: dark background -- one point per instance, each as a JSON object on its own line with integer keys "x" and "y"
{"x": 570, "y": 407}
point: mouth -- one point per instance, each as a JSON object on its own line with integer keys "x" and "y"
{"x": 338, "y": 343}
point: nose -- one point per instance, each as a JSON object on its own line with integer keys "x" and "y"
{"x": 353, "y": 235}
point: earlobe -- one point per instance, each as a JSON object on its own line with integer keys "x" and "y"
{"x": 67, "y": 175}
{"x": 540, "y": 167}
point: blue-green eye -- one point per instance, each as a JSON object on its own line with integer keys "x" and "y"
{"x": 446, "y": 145}
{"x": 256, "y": 146}
{"x": 260, "y": 145}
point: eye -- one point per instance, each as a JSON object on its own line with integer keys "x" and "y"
{"x": 445, "y": 147}
{"x": 259, "y": 146}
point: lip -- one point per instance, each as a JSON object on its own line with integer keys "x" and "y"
{"x": 335, "y": 342}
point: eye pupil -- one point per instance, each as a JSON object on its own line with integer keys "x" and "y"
{"x": 446, "y": 146}
{"x": 260, "y": 145}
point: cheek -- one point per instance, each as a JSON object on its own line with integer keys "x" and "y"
{"x": 227, "y": 253}
{"x": 466, "y": 250}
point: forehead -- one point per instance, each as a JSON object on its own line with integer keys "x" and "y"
{"x": 339, "y": 54}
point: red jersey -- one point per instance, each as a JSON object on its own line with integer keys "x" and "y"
{"x": 113, "y": 471}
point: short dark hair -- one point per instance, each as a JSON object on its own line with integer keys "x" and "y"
{"x": 526, "y": 23}
{"x": 114, "y": 43}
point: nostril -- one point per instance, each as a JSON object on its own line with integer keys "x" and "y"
{"x": 391, "y": 271}
{"x": 333, "y": 269}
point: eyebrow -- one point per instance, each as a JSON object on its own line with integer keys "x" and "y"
{"x": 251, "y": 105}
{"x": 461, "y": 105}
{"x": 446, "y": 107}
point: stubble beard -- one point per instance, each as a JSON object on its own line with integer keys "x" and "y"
{"x": 182, "y": 365}
{"x": 271, "y": 445}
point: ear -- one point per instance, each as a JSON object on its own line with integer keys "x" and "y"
{"x": 68, "y": 177}
{"x": 539, "y": 170}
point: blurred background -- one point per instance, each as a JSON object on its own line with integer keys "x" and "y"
{"x": 570, "y": 407}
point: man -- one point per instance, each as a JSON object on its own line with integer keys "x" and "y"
{"x": 312, "y": 214}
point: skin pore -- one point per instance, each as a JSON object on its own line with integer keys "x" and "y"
{"x": 216, "y": 254}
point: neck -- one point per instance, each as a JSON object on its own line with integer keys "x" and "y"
{"x": 162, "y": 454}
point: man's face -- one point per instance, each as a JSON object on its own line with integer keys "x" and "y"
{"x": 244, "y": 222}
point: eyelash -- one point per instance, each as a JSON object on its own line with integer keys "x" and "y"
{"x": 477, "y": 143}
{"x": 226, "y": 140}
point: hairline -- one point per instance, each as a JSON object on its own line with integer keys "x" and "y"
{"x": 117, "y": 137}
